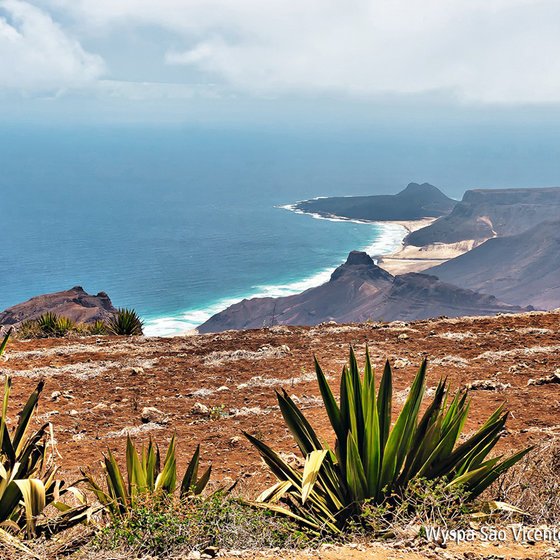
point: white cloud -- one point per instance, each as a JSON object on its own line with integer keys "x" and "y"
{"x": 37, "y": 55}
{"x": 501, "y": 51}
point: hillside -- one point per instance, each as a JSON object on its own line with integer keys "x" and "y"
{"x": 76, "y": 304}
{"x": 486, "y": 213}
{"x": 412, "y": 203}
{"x": 211, "y": 387}
{"x": 521, "y": 269}
{"x": 358, "y": 290}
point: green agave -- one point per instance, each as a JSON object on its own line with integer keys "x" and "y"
{"x": 145, "y": 477}
{"x": 373, "y": 460}
{"x": 28, "y": 481}
{"x": 50, "y": 324}
{"x": 125, "y": 322}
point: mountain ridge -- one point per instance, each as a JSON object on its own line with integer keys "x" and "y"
{"x": 359, "y": 290}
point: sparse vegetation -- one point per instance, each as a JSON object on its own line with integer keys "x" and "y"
{"x": 98, "y": 328}
{"x": 28, "y": 483}
{"x": 126, "y": 322}
{"x": 51, "y": 324}
{"x": 372, "y": 460}
{"x": 380, "y": 478}
{"x": 145, "y": 476}
{"x": 173, "y": 528}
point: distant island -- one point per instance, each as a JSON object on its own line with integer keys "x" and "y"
{"x": 415, "y": 202}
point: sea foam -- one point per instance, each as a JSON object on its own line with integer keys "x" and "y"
{"x": 386, "y": 241}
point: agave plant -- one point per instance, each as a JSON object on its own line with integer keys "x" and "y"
{"x": 144, "y": 477}
{"x": 97, "y": 328}
{"x": 28, "y": 481}
{"x": 372, "y": 460}
{"x": 125, "y": 322}
{"x": 51, "y": 324}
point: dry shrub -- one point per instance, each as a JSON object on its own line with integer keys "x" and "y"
{"x": 533, "y": 485}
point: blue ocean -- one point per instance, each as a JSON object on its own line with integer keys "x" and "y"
{"x": 178, "y": 222}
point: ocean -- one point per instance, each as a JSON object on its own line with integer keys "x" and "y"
{"x": 178, "y": 222}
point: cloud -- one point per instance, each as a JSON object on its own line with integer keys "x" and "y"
{"x": 37, "y": 55}
{"x": 493, "y": 51}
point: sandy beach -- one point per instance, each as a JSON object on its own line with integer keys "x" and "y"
{"x": 408, "y": 258}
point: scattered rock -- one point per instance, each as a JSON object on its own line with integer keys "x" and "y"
{"x": 487, "y": 385}
{"x": 401, "y": 363}
{"x": 152, "y": 414}
{"x": 403, "y": 336}
{"x": 547, "y": 380}
{"x": 234, "y": 441}
{"x": 201, "y": 409}
{"x": 55, "y": 395}
{"x": 222, "y": 389}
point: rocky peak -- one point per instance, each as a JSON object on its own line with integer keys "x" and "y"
{"x": 360, "y": 264}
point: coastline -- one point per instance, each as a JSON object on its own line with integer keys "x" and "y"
{"x": 388, "y": 241}
{"x": 388, "y": 250}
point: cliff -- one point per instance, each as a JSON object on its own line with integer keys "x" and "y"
{"x": 357, "y": 291}
{"x": 522, "y": 269}
{"x": 414, "y": 202}
{"x": 76, "y": 304}
{"x": 483, "y": 214}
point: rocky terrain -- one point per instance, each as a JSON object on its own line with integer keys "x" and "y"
{"x": 486, "y": 213}
{"x": 359, "y": 291}
{"x": 413, "y": 203}
{"x": 522, "y": 269}
{"x": 76, "y": 304}
{"x": 209, "y": 388}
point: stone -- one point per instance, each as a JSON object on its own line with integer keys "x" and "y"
{"x": 201, "y": 409}
{"x": 152, "y": 414}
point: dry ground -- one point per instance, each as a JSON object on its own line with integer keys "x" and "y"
{"x": 104, "y": 382}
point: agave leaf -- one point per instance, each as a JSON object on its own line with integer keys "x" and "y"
{"x": 280, "y": 468}
{"x": 5, "y": 341}
{"x": 279, "y": 509}
{"x": 33, "y": 493}
{"x": 497, "y": 471}
{"x": 384, "y": 405}
{"x": 494, "y": 505}
{"x": 191, "y": 473}
{"x": 25, "y": 418}
{"x": 332, "y": 409}
{"x": 275, "y": 492}
{"x": 403, "y": 430}
{"x": 355, "y": 470}
{"x": 7, "y": 388}
{"x": 301, "y": 430}
{"x": 311, "y": 470}
{"x": 116, "y": 484}
{"x": 202, "y": 482}
{"x": 167, "y": 478}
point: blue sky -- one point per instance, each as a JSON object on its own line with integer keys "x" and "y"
{"x": 239, "y": 59}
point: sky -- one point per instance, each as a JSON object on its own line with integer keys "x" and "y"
{"x": 237, "y": 59}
